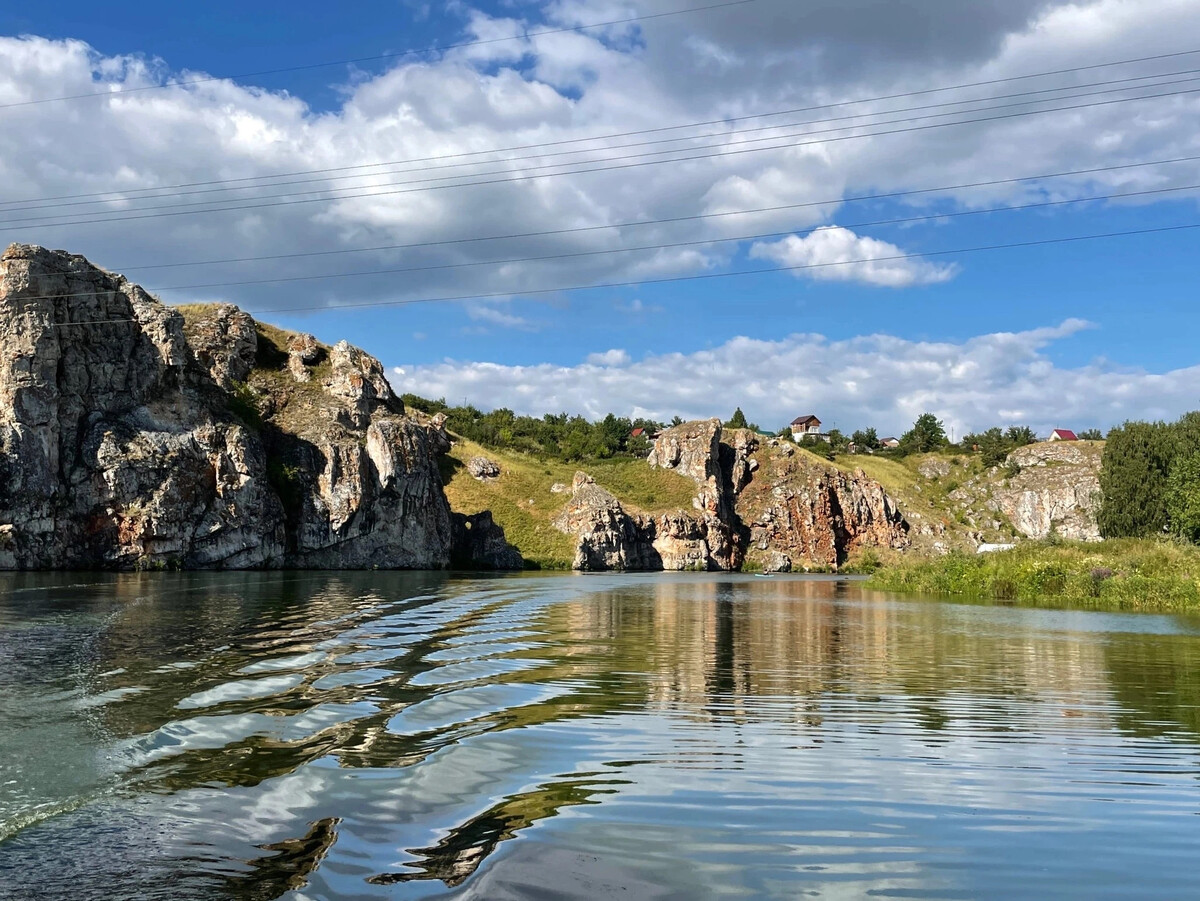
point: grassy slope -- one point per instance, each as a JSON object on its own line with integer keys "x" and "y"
{"x": 1134, "y": 574}
{"x": 521, "y": 501}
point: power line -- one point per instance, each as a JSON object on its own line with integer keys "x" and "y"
{"x": 704, "y": 276}
{"x": 108, "y": 197}
{"x": 173, "y": 210}
{"x": 670, "y": 220}
{"x": 383, "y": 56}
{"x": 710, "y": 122}
{"x": 674, "y": 244}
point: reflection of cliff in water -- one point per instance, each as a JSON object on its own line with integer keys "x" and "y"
{"x": 709, "y": 645}
{"x": 453, "y": 859}
{"x": 383, "y": 670}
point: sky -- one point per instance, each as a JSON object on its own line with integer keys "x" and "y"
{"x": 648, "y": 207}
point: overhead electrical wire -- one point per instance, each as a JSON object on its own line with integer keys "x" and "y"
{"x": 181, "y": 209}
{"x": 610, "y": 136}
{"x": 854, "y": 198}
{"x": 120, "y": 196}
{"x": 704, "y": 276}
{"x": 382, "y": 56}
{"x": 696, "y": 242}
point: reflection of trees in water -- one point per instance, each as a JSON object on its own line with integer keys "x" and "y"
{"x": 466, "y": 846}
{"x": 1156, "y": 681}
{"x": 737, "y": 651}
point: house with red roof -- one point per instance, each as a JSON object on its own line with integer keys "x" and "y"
{"x": 1063, "y": 435}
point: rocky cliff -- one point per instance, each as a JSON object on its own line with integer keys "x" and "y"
{"x": 133, "y": 434}
{"x": 1055, "y": 487}
{"x": 757, "y": 502}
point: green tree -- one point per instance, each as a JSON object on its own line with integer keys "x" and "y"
{"x": 1183, "y": 497}
{"x": 738, "y": 420}
{"x": 865, "y": 438}
{"x": 993, "y": 446}
{"x": 1134, "y": 470}
{"x": 927, "y": 434}
{"x": 838, "y": 441}
{"x": 1021, "y": 435}
{"x": 676, "y": 420}
{"x": 1091, "y": 435}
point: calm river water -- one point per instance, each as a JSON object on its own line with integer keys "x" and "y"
{"x": 255, "y": 736}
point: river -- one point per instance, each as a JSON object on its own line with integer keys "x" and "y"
{"x": 416, "y": 735}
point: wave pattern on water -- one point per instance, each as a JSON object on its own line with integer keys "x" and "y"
{"x": 411, "y": 735}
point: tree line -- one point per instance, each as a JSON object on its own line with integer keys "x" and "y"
{"x": 1150, "y": 480}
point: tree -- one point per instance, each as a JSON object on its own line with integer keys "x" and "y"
{"x": 927, "y": 434}
{"x": 1021, "y": 435}
{"x": 676, "y": 420}
{"x": 993, "y": 445}
{"x": 837, "y": 440}
{"x": 1134, "y": 471}
{"x": 1091, "y": 435}
{"x": 1183, "y": 498}
{"x": 866, "y": 438}
{"x": 738, "y": 420}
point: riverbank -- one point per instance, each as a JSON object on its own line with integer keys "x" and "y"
{"x": 1127, "y": 574}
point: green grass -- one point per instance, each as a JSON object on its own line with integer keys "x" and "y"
{"x": 1128, "y": 574}
{"x": 522, "y": 503}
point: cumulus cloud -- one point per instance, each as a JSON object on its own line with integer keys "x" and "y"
{"x": 879, "y": 380}
{"x": 838, "y": 254}
{"x": 613, "y": 357}
{"x": 545, "y": 90}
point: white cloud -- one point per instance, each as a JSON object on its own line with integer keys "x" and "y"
{"x": 878, "y": 380}
{"x": 687, "y": 68}
{"x": 490, "y": 314}
{"x": 613, "y": 357}
{"x": 833, "y": 253}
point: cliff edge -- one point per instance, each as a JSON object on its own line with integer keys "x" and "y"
{"x": 134, "y": 435}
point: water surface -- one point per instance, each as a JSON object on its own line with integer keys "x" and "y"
{"x": 257, "y": 736}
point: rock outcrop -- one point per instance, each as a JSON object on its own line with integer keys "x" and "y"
{"x": 806, "y": 515}
{"x": 767, "y": 502}
{"x": 136, "y": 435}
{"x": 479, "y": 543}
{"x": 1056, "y": 488}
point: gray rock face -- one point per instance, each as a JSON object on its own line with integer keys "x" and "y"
{"x": 788, "y": 512}
{"x": 607, "y": 537}
{"x": 130, "y": 437}
{"x": 479, "y": 543}
{"x": 1057, "y": 488}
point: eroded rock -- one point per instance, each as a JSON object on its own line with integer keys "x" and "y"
{"x": 131, "y": 438}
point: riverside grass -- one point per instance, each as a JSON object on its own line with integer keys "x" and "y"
{"x": 1122, "y": 574}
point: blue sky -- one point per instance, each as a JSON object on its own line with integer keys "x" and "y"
{"x": 965, "y": 336}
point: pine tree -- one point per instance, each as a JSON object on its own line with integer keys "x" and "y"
{"x": 738, "y": 420}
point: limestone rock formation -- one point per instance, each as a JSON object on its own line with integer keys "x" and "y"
{"x": 482, "y": 469}
{"x": 479, "y": 543}
{"x": 133, "y": 434}
{"x": 607, "y": 538}
{"x": 806, "y": 515}
{"x": 783, "y": 509}
{"x": 1056, "y": 489}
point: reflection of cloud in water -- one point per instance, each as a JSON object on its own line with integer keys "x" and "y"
{"x": 761, "y": 736}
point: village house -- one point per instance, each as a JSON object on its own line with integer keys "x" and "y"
{"x": 1063, "y": 435}
{"x": 889, "y": 442}
{"x": 807, "y": 427}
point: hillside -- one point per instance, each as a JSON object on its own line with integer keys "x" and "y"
{"x": 523, "y": 504}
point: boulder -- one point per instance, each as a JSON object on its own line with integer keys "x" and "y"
{"x": 482, "y": 469}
